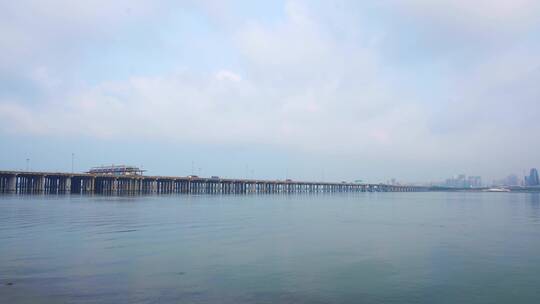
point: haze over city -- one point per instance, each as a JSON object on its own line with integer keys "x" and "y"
{"x": 413, "y": 90}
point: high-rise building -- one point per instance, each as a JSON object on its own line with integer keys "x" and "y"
{"x": 532, "y": 179}
{"x": 464, "y": 181}
{"x": 511, "y": 180}
{"x": 474, "y": 181}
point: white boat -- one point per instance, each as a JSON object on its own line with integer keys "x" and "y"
{"x": 497, "y": 190}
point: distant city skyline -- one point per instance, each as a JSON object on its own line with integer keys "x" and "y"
{"x": 333, "y": 90}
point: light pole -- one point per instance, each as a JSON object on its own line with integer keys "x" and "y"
{"x": 72, "y": 161}
{"x": 28, "y": 164}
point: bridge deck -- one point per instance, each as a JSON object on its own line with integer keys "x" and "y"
{"x": 62, "y": 182}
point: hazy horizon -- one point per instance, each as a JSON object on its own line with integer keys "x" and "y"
{"x": 335, "y": 90}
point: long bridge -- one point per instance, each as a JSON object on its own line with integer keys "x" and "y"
{"x": 26, "y": 182}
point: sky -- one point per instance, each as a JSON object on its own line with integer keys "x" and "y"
{"x": 416, "y": 90}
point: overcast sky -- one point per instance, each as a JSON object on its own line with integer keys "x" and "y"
{"x": 416, "y": 90}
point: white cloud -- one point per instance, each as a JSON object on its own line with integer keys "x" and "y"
{"x": 224, "y": 75}
{"x": 493, "y": 13}
{"x": 33, "y": 31}
{"x": 301, "y": 84}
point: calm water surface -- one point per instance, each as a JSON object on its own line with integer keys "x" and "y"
{"x": 361, "y": 248}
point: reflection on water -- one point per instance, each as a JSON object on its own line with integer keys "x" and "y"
{"x": 355, "y": 248}
{"x": 534, "y": 200}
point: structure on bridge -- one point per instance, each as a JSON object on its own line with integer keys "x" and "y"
{"x": 101, "y": 182}
{"x": 116, "y": 170}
